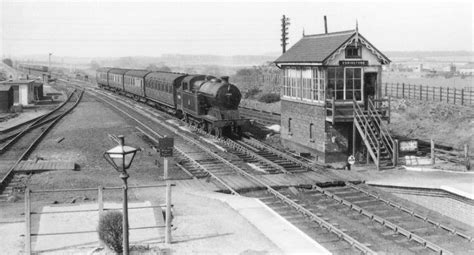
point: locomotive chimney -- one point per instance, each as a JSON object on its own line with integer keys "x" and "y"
{"x": 325, "y": 24}
{"x": 225, "y": 79}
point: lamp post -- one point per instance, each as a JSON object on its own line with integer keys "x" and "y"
{"x": 121, "y": 157}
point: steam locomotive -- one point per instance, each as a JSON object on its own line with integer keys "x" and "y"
{"x": 205, "y": 101}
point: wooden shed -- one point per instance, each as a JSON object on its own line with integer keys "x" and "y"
{"x": 6, "y": 98}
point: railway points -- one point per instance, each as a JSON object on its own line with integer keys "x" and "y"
{"x": 225, "y": 178}
{"x": 331, "y": 208}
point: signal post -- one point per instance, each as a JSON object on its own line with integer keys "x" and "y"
{"x": 165, "y": 145}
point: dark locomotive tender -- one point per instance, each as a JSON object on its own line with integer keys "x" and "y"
{"x": 205, "y": 101}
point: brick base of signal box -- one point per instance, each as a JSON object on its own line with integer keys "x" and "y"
{"x": 304, "y": 129}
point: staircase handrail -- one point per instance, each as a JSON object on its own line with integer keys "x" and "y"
{"x": 389, "y": 142}
{"x": 371, "y": 135}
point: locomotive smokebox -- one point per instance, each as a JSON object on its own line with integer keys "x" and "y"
{"x": 225, "y": 79}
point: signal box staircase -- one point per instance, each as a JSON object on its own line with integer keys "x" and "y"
{"x": 381, "y": 147}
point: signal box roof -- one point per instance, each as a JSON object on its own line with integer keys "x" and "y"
{"x": 318, "y": 48}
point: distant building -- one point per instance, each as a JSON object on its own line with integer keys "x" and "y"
{"x": 6, "y": 98}
{"x": 467, "y": 69}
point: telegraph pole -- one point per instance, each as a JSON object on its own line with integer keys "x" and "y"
{"x": 49, "y": 63}
{"x": 285, "y": 22}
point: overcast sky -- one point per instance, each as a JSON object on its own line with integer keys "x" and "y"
{"x": 112, "y": 28}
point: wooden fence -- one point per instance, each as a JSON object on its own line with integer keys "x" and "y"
{"x": 456, "y": 156}
{"x": 100, "y": 209}
{"x": 463, "y": 96}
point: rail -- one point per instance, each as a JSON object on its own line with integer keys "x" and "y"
{"x": 412, "y": 212}
{"x": 396, "y": 228}
{"x": 363, "y": 248}
{"x": 38, "y": 121}
{"x": 25, "y": 154}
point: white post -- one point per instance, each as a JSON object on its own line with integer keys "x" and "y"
{"x": 168, "y": 213}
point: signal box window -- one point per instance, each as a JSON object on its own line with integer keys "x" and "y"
{"x": 353, "y": 52}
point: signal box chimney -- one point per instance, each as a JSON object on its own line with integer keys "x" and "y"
{"x": 325, "y": 24}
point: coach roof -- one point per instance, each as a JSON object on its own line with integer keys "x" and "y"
{"x": 137, "y": 73}
{"x": 118, "y": 70}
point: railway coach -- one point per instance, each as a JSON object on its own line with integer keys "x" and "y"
{"x": 134, "y": 82}
{"x": 204, "y": 101}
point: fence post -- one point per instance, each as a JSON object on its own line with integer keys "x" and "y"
{"x": 386, "y": 92}
{"x": 447, "y": 95}
{"x": 168, "y": 213}
{"x": 403, "y": 90}
{"x": 397, "y": 89}
{"x": 462, "y": 96}
{"x": 100, "y": 200}
{"x": 27, "y": 221}
{"x": 426, "y": 91}
{"x": 421, "y": 92}
{"x": 432, "y": 152}
{"x": 454, "y": 95}
{"x": 389, "y": 108}
{"x": 378, "y": 155}
{"x": 466, "y": 155}
{"x": 395, "y": 153}
{"x": 434, "y": 93}
{"x": 441, "y": 94}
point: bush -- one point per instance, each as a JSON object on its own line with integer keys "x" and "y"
{"x": 110, "y": 230}
{"x": 269, "y": 98}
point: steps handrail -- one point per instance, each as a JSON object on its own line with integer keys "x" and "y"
{"x": 358, "y": 114}
{"x": 388, "y": 140}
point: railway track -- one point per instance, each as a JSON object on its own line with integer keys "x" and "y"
{"x": 8, "y": 136}
{"x": 22, "y": 142}
{"x": 344, "y": 219}
{"x": 261, "y": 117}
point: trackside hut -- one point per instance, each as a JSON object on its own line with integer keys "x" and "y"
{"x": 23, "y": 91}
{"x": 322, "y": 70}
{"x": 6, "y": 98}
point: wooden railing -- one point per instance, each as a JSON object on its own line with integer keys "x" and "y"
{"x": 460, "y": 96}
{"x": 455, "y": 156}
{"x": 387, "y": 140}
{"x": 368, "y": 136}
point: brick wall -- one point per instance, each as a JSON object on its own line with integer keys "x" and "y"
{"x": 447, "y": 206}
{"x": 302, "y": 115}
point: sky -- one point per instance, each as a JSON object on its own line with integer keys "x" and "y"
{"x": 151, "y": 28}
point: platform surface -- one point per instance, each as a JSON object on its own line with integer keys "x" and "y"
{"x": 288, "y": 238}
{"x": 24, "y": 116}
{"x": 459, "y": 183}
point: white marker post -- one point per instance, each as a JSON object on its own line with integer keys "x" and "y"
{"x": 166, "y": 145}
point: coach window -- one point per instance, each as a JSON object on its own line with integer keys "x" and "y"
{"x": 311, "y": 127}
